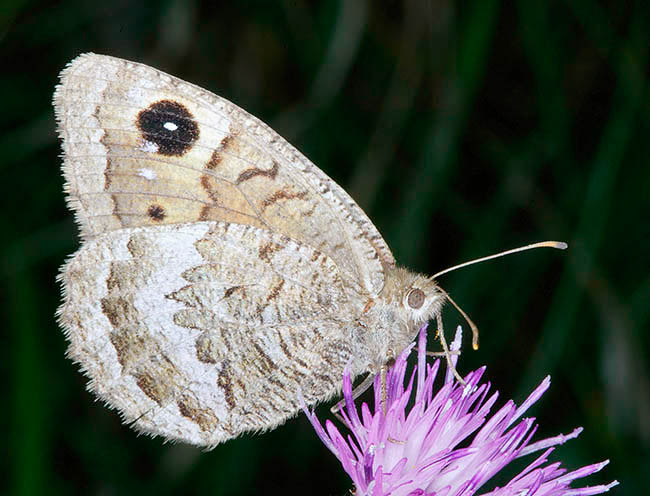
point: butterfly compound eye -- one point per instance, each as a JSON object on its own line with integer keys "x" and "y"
{"x": 415, "y": 298}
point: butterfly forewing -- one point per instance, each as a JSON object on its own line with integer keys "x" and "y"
{"x": 143, "y": 148}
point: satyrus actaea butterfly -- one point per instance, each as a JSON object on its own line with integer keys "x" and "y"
{"x": 220, "y": 271}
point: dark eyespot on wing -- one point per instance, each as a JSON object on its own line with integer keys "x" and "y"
{"x": 170, "y": 126}
{"x": 156, "y": 213}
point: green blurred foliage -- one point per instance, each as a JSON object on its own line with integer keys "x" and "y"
{"x": 461, "y": 128}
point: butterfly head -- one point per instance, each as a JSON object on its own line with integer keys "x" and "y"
{"x": 421, "y": 300}
{"x": 407, "y": 301}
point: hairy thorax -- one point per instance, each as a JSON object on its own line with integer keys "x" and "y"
{"x": 390, "y": 322}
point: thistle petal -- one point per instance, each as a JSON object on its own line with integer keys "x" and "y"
{"x": 416, "y": 450}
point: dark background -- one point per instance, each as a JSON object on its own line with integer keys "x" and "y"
{"x": 461, "y": 128}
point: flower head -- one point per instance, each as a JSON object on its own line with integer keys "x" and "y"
{"x": 447, "y": 443}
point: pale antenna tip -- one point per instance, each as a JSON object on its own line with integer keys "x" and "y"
{"x": 559, "y": 245}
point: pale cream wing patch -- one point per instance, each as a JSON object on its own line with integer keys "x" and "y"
{"x": 201, "y": 331}
{"x": 143, "y": 148}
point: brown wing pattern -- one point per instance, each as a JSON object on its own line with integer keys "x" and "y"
{"x": 191, "y": 335}
{"x": 143, "y": 148}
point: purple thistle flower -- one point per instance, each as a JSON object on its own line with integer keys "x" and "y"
{"x": 446, "y": 444}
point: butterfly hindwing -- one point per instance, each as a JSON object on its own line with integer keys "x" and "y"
{"x": 202, "y": 331}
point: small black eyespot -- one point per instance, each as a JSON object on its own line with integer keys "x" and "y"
{"x": 156, "y": 213}
{"x": 415, "y": 298}
{"x": 170, "y": 126}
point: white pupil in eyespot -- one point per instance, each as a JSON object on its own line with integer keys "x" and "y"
{"x": 170, "y": 126}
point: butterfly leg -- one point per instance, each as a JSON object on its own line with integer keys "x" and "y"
{"x": 438, "y": 353}
{"x": 356, "y": 392}
{"x": 383, "y": 370}
{"x": 447, "y": 353}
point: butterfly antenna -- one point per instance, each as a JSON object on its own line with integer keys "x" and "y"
{"x": 472, "y": 325}
{"x": 559, "y": 245}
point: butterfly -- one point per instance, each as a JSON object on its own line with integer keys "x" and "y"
{"x": 221, "y": 274}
